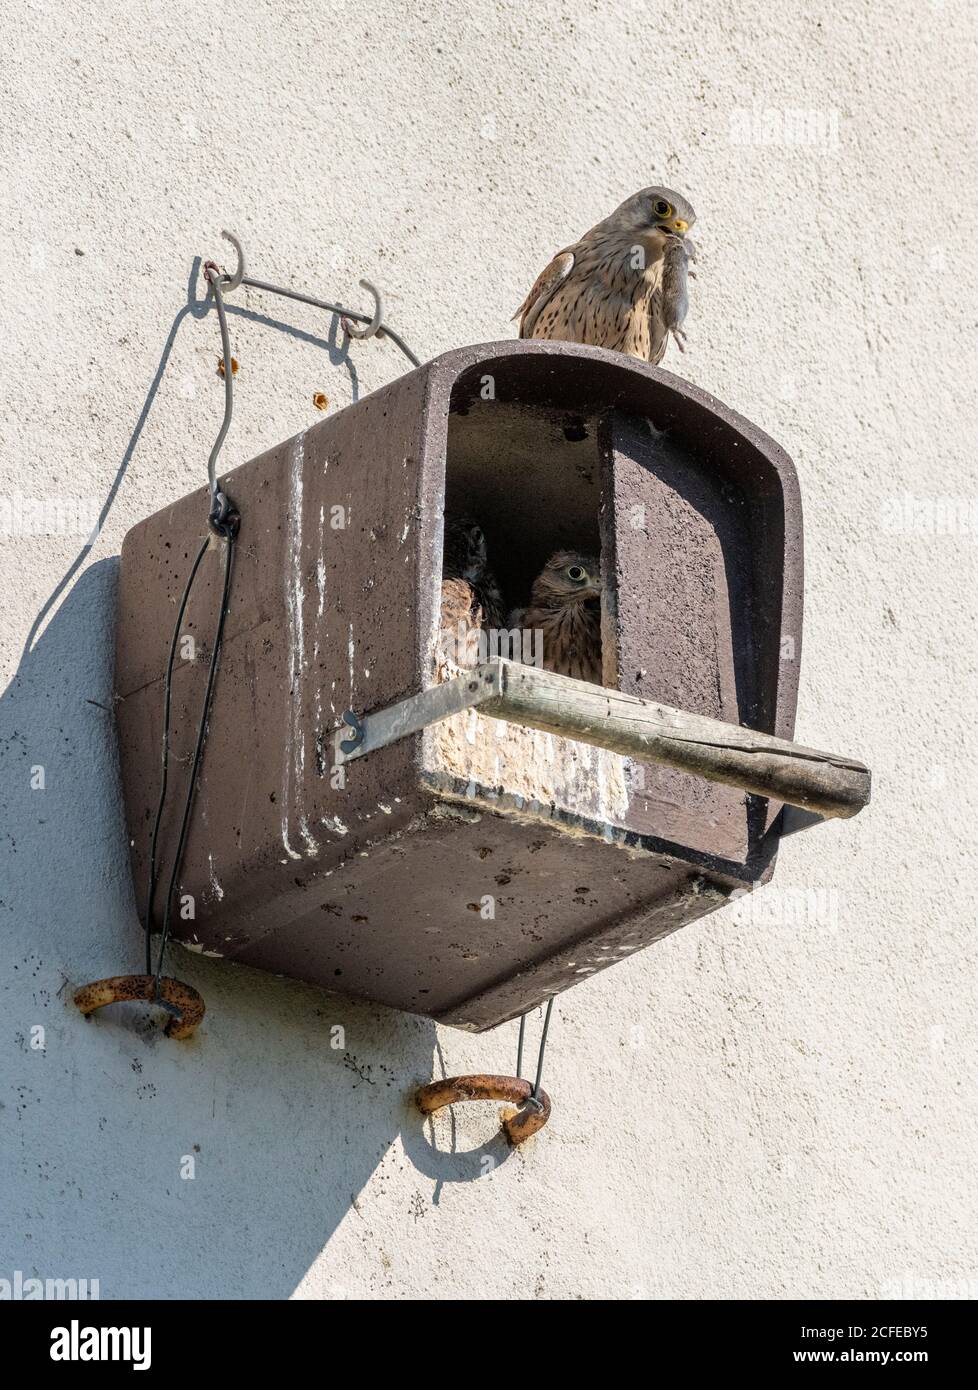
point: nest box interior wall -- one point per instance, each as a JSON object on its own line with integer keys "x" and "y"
{"x": 530, "y": 474}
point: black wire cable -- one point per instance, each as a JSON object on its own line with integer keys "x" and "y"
{"x": 165, "y": 756}
{"x": 199, "y": 744}
{"x": 223, "y": 520}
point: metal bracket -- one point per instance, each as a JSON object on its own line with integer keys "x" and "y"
{"x": 795, "y": 818}
{"x": 822, "y": 784}
{"x": 349, "y": 745}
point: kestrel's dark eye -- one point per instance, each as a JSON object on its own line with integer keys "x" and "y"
{"x": 576, "y": 573}
{"x": 661, "y": 208}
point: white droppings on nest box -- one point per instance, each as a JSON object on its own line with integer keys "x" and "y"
{"x": 321, "y": 567}
{"x": 321, "y": 592}
{"x": 215, "y": 885}
{"x": 295, "y": 751}
{"x": 198, "y": 949}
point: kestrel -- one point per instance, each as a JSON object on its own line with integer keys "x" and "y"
{"x": 623, "y": 284}
{"x": 471, "y": 599}
{"x": 565, "y": 606}
{"x": 461, "y": 622}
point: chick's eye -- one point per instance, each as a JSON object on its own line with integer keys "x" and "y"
{"x": 576, "y": 573}
{"x": 661, "y": 208}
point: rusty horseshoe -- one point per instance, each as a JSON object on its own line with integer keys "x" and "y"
{"x": 532, "y": 1117}
{"x": 184, "y": 1005}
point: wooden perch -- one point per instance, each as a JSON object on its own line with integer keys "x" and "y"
{"x": 758, "y": 763}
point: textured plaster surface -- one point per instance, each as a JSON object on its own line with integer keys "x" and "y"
{"x": 777, "y": 1101}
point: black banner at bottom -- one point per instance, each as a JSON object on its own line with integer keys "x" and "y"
{"x": 180, "y": 1338}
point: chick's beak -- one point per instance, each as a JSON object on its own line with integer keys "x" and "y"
{"x": 679, "y": 226}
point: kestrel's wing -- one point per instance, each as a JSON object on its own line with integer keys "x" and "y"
{"x": 543, "y": 289}
{"x": 490, "y": 598}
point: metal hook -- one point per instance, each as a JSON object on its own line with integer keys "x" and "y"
{"x": 375, "y": 325}
{"x": 231, "y": 282}
{"x": 214, "y": 274}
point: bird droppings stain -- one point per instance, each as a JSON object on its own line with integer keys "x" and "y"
{"x": 295, "y": 748}
{"x": 216, "y": 889}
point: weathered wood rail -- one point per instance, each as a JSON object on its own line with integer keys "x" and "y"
{"x": 825, "y": 783}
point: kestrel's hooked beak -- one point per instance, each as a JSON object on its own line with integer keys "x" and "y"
{"x": 678, "y": 226}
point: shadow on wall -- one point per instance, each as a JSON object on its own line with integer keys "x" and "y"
{"x": 281, "y": 1106}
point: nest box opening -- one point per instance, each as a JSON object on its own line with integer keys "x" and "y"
{"x": 686, "y": 506}
{"x": 529, "y": 473}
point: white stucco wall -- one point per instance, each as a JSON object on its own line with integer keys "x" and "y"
{"x": 776, "y": 1105}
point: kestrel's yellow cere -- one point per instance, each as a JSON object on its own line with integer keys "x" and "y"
{"x": 623, "y": 284}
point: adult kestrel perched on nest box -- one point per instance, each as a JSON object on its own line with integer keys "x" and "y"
{"x": 565, "y": 605}
{"x": 623, "y": 284}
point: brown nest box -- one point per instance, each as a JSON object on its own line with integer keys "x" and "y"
{"x": 468, "y": 868}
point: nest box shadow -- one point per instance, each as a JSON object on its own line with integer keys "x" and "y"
{"x": 466, "y": 867}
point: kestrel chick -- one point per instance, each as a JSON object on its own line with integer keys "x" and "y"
{"x": 470, "y": 597}
{"x": 565, "y": 605}
{"x": 623, "y": 284}
{"x": 465, "y": 556}
{"x": 461, "y": 622}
